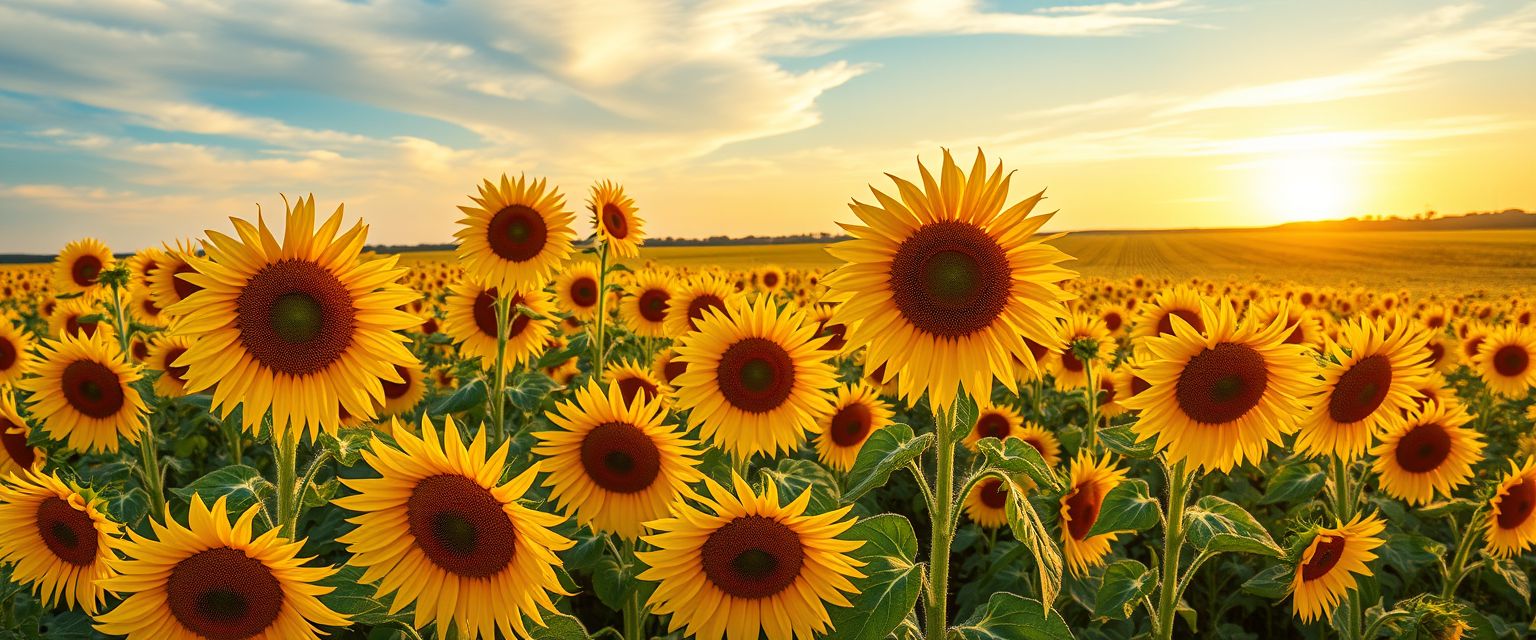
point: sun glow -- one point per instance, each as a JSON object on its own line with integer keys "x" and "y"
{"x": 1311, "y": 185}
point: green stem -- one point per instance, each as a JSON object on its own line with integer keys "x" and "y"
{"x": 937, "y": 605}
{"x": 286, "y": 458}
{"x": 149, "y": 453}
{"x": 634, "y": 611}
{"x": 600, "y": 354}
{"x": 1375, "y": 629}
{"x": 309, "y": 478}
{"x": 124, "y": 339}
{"x": 236, "y": 438}
{"x": 496, "y": 407}
{"x": 1173, "y": 541}
{"x": 1457, "y": 570}
{"x": 1343, "y": 498}
{"x": 1090, "y": 437}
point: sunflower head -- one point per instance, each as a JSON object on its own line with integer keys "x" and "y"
{"x": 83, "y": 394}
{"x": 57, "y": 539}
{"x": 944, "y": 283}
{"x": 987, "y": 503}
{"x": 1506, "y": 360}
{"x": 857, "y": 412}
{"x": 636, "y": 381}
{"x": 78, "y": 267}
{"x": 472, "y": 322}
{"x": 577, "y": 290}
{"x": 1088, "y": 483}
{"x": 689, "y": 304}
{"x": 1369, "y": 382}
{"x": 15, "y": 352}
{"x": 645, "y": 303}
{"x": 16, "y": 455}
{"x": 614, "y": 217}
{"x": 1511, "y": 520}
{"x": 994, "y": 421}
{"x": 517, "y": 234}
{"x": 1430, "y": 453}
{"x": 1329, "y": 560}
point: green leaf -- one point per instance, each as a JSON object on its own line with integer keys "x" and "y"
{"x": 1015, "y": 457}
{"x": 1295, "y": 482}
{"x": 1125, "y": 583}
{"x": 357, "y": 600}
{"x": 1514, "y": 576}
{"x": 883, "y": 453}
{"x": 466, "y": 397}
{"x": 893, "y": 580}
{"x": 1128, "y": 507}
{"x": 130, "y": 507}
{"x": 529, "y": 389}
{"x": 319, "y": 494}
{"x": 243, "y": 485}
{"x": 1011, "y": 617}
{"x": 1218, "y": 525}
{"x": 1120, "y": 439}
{"x": 794, "y": 476}
{"x": 347, "y": 445}
{"x": 557, "y": 626}
{"x": 577, "y": 346}
{"x": 1273, "y": 583}
{"x": 965, "y": 413}
{"x": 1029, "y": 529}
{"x": 1447, "y": 508}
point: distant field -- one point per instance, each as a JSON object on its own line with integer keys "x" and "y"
{"x": 1460, "y": 261}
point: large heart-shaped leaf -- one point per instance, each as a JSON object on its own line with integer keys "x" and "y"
{"x": 1125, "y": 583}
{"x": 1128, "y": 507}
{"x": 1120, "y": 439}
{"x": 1011, "y": 617}
{"x": 1015, "y": 457}
{"x": 1218, "y": 525}
{"x": 884, "y": 452}
{"x": 465, "y": 398}
{"x": 1300, "y": 481}
{"x": 243, "y": 485}
{"x": 794, "y": 476}
{"x": 893, "y": 580}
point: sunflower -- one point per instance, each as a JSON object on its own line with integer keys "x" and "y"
{"x": 744, "y": 565}
{"x": 303, "y": 328}
{"x": 577, "y": 290}
{"x": 441, "y": 530}
{"x": 16, "y": 456}
{"x": 1443, "y": 354}
{"x": 15, "y": 353}
{"x": 1042, "y": 440}
{"x": 613, "y": 214}
{"x": 612, "y": 463}
{"x": 1127, "y": 383}
{"x": 77, "y": 267}
{"x": 987, "y": 504}
{"x": 857, "y": 412}
{"x": 79, "y": 318}
{"x": 835, "y": 332}
{"x": 83, "y": 394}
{"x": 685, "y": 310}
{"x": 166, "y": 284}
{"x": 401, "y": 397}
{"x": 1504, "y": 360}
{"x": 57, "y": 540}
{"x": 1430, "y": 453}
{"x": 771, "y": 278}
{"x": 1434, "y": 388}
{"x": 666, "y": 366}
{"x": 1088, "y": 483}
{"x": 1326, "y": 570}
{"x": 1305, "y": 328}
{"x": 142, "y": 263}
{"x": 645, "y": 303}
{"x": 1113, "y": 318}
{"x": 945, "y": 285}
{"x": 143, "y": 308}
{"x": 633, "y": 379}
{"x": 1221, "y": 397}
{"x": 994, "y": 421}
{"x": 212, "y": 580}
{"x": 1155, "y": 317}
{"x": 516, "y": 236}
{"x": 472, "y": 323}
{"x": 756, "y": 378}
{"x": 1367, "y": 385}
{"x": 1511, "y": 525}
{"x": 1069, "y": 371}
{"x": 163, "y": 354}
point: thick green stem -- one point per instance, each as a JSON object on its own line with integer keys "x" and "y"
{"x": 634, "y": 610}
{"x": 149, "y": 452}
{"x": 287, "y": 480}
{"x": 309, "y": 479}
{"x": 1091, "y": 432}
{"x": 599, "y": 353}
{"x": 496, "y": 400}
{"x": 1173, "y": 541}
{"x": 120, "y": 323}
{"x": 236, "y": 438}
{"x": 937, "y": 604}
{"x": 1457, "y": 570}
{"x": 1345, "y": 501}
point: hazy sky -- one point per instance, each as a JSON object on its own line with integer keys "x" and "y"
{"x": 138, "y": 121}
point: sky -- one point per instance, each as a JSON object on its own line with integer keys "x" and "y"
{"x": 142, "y": 121}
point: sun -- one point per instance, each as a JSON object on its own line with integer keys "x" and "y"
{"x": 1309, "y": 185}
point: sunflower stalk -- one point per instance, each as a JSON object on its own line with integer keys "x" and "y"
{"x": 942, "y": 509}
{"x": 154, "y": 479}
{"x": 634, "y": 610}
{"x": 286, "y": 458}
{"x": 1458, "y": 569}
{"x": 315, "y": 465}
{"x": 1086, "y": 351}
{"x": 600, "y": 354}
{"x": 1173, "y": 541}
{"x": 1345, "y": 501}
{"x": 497, "y": 402}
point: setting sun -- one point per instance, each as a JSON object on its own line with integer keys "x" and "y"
{"x": 1308, "y": 186}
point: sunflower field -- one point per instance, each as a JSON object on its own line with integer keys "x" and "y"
{"x": 269, "y": 432}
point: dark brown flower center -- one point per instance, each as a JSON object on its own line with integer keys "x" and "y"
{"x": 1083, "y": 509}
{"x": 460, "y": 526}
{"x": 770, "y": 279}
{"x": 1222, "y": 383}
{"x": 85, "y": 270}
{"x": 177, "y": 373}
{"x": 673, "y": 369}
{"x": 756, "y": 375}
{"x": 993, "y": 425}
{"x": 752, "y": 557}
{"x": 950, "y": 279}
{"x": 837, "y": 332}
{"x": 1511, "y": 360}
{"x": 699, "y": 304}
{"x": 68, "y": 532}
{"x": 1138, "y": 385}
{"x": 1361, "y": 390}
{"x": 517, "y": 233}
{"x": 295, "y": 317}
{"x": 1113, "y": 321}
{"x": 1165, "y": 324}
{"x": 851, "y": 424}
{"x": 485, "y": 314}
{"x": 92, "y": 389}
{"x": 584, "y": 292}
{"x": 73, "y": 326}
{"x": 8, "y": 353}
{"x": 653, "y": 304}
{"x": 619, "y": 457}
{"x": 633, "y": 384}
{"x": 1436, "y": 353}
{"x": 615, "y": 221}
{"x": 224, "y": 594}
{"x": 993, "y": 493}
{"x": 393, "y": 390}
{"x": 183, "y": 288}
{"x": 1326, "y": 552}
{"x": 1423, "y": 448}
{"x": 15, "y": 444}
{"x": 1515, "y": 507}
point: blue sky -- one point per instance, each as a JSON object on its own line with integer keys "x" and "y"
{"x": 141, "y": 121}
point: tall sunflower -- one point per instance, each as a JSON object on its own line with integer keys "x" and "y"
{"x": 16, "y": 456}
{"x": 212, "y": 580}
{"x": 944, "y": 285}
{"x": 994, "y": 421}
{"x": 645, "y": 303}
{"x": 756, "y": 380}
{"x": 516, "y": 236}
{"x": 690, "y": 301}
{"x": 472, "y": 323}
{"x": 56, "y": 539}
{"x": 1326, "y": 570}
{"x": 15, "y": 353}
{"x": 440, "y": 529}
{"x": 857, "y": 413}
{"x": 577, "y": 290}
{"x": 1506, "y": 360}
{"x": 612, "y": 463}
{"x": 163, "y": 354}
{"x": 614, "y": 216}
{"x": 304, "y": 328}
{"x": 634, "y": 381}
{"x": 1429, "y": 454}
{"x": 78, "y": 266}
{"x": 1221, "y": 397}
{"x": 987, "y": 504}
{"x": 745, "y": 565}
{"x": 1071, "y": 372}
{"x": 1368, "y": 382}
{"x": 1511, "y": 524}
{"x": 83, "y": 394}
{"x": 1088, "y": 483}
